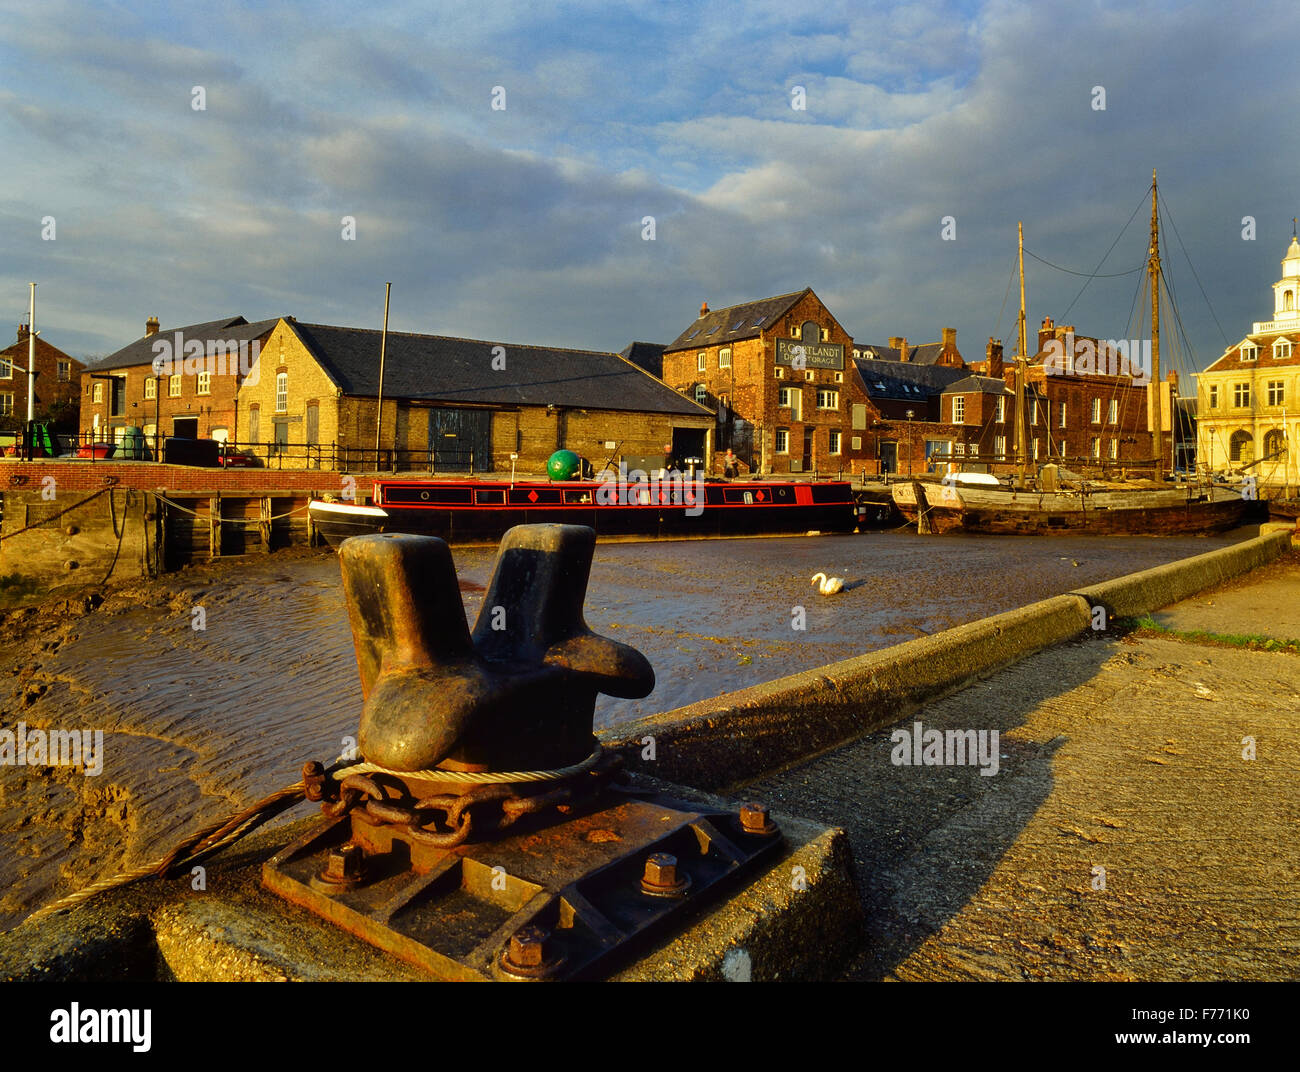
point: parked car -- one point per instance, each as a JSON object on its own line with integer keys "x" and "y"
{"x": 232, "y": 458}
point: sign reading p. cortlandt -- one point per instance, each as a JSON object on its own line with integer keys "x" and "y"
{"x": 806, "y": 355}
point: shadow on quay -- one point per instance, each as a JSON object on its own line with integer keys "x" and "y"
{"x": 926, "y": 839}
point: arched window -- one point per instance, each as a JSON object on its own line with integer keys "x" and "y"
{"x": 810, "y": 332}
{"x": 1275, "y": 444}
{"x": 701, "y": 393}
{"x": 1241, "y": 447}
{"x": 1288, "y": 300}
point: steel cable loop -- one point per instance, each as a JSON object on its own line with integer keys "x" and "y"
{"x": 218, "y": 835}
{"x": 198, "y": 845}
{"x": 479, "y": 777}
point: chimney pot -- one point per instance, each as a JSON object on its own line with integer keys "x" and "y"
{"x": 993, "y": 353}
{"x": 151, "y": 326}
{"x": 704, "y": 308}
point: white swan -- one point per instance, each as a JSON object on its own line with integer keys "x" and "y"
{"x": 829, "y": 585}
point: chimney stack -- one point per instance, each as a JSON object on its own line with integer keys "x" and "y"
{"x": 151, "y": 326}
{"x": 993, "y": 354}
{"x": 1046, "y": 332}
{"x": 902, "y": 348}
{"x": 950, "y": 338}
{"x": 22, "y": 331}
{"x": 704, "y": 309}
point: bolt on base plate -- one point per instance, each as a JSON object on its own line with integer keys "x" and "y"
{"x": 560, "y": 901}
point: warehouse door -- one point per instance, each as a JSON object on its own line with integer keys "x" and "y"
{"x": 459, "y": 438}
{"x": 688, "y": 443}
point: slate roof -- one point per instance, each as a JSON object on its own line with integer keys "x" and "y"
{"x": 17, "y": 353}
{"x": 647, "y": 355}
{"x": 459, "y": 371}
{"x": 922, "y": 354}
{"x": 987, "y": 385}
{"x": 930, "y": 379}
{"x": 735, "y": 322}
{"x": 230, "y": 329}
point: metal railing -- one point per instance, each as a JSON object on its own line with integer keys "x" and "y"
{"x": 100, "y": 446}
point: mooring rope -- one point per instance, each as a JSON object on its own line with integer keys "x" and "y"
{"x": 55, "y": 517}
{"x": 216, "y": 836}
{"x": 232, "y": 520}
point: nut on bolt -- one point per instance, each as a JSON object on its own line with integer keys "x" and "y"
{"x": 528, "y": 947}
{"x": 531, "y": 954}
{"x": 344, "y": 865}
{"x": 662, "y": 878}
{"x": 754, "y": 819}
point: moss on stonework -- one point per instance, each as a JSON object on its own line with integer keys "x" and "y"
{"x": 1148, "y": 626}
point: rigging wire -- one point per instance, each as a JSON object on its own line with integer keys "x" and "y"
{"x": 1090, "y": 275}
{"x": 997, "y": 328}
{"x": 1170, "y": 217}
{"x": 1103, "y": 259}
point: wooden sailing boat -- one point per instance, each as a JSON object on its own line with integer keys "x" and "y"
{"x": 1050, "y": 503}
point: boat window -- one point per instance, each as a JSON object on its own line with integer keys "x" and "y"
{"x": 490, "y": 497}
{"x": 420, "y": 496}
{"x": 579, "y": 496}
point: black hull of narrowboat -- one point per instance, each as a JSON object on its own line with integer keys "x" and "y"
{"x": 467, "y": 525}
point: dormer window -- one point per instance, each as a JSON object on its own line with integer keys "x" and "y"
{"x": 1250, "y": 352}
{"x": 1281, "y": 348}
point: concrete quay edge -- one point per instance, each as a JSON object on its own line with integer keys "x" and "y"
{"x": 722, "y": 743}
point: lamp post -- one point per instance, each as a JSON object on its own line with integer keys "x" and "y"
{"x": 910, "y": 415}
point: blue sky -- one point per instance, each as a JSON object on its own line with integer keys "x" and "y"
{"x": 525, "y": 224}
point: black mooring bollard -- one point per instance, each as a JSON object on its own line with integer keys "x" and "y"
{"x": 517, "y": 694}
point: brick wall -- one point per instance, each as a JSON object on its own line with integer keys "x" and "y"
{"x": 50, "y": 389}
{"x": 751, "y": 388}
{"x": 307, "y": 385}
{"x": 147, "y": 476}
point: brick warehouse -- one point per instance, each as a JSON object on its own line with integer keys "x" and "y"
{"x": 56, "y": 384}
{"x": 1085, "y": 417}
{"x": 449, "y": 404}
{"x": 128, "y": 389}
{"x": 776, "y": 416}
{"x": 832, "y": 414}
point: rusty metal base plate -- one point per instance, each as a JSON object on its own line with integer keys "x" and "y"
{"x": 453, "y": 912}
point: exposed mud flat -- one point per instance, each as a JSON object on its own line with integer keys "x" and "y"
{"x": 198, "y": 722}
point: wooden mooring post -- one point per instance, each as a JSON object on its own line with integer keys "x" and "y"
{"x": 214, "y": 526}
{"x": 265, "y": 524}
{"x": 922, "y": 510}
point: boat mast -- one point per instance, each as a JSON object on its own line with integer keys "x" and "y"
{"x": 1022, "y": 451}
{"x": 1155, "y": 397}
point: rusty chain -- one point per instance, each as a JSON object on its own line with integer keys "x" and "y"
{"x": 446, "y": 820}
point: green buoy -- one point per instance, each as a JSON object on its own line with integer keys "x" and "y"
{"x": 563, "y": 465}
